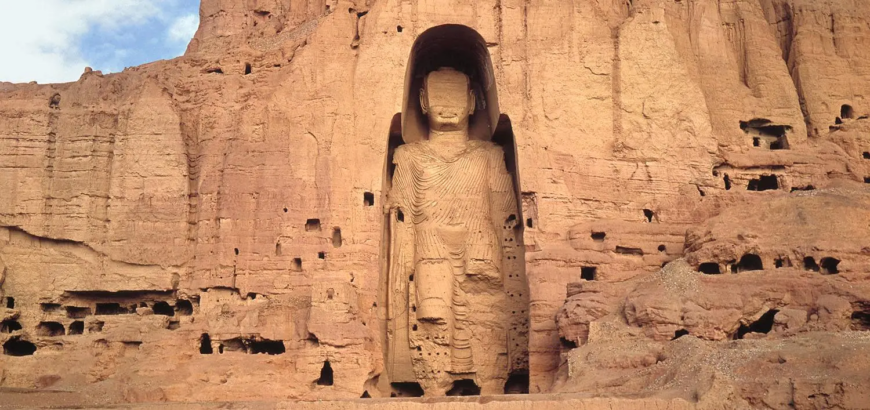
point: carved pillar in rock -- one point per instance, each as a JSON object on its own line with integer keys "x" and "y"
{"x": 452, "y": 219}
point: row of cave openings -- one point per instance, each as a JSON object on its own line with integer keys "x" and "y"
{"x": 517, "y": 383}
{"x": 590, "y": 273}
{"x": 18, "y": 346}
{"x": 751, "y": 262}
{"x": 314, "y": 225}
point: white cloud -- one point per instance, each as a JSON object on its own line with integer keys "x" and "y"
{"x": 183, "y": 29}
{"x": 39, "y": 39}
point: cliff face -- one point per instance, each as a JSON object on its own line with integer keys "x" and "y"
{"x": 159, "y": 223}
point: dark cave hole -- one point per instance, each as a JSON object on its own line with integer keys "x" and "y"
{"x": 530, "y": 223}
{"x": 400, "y": 216}
{"x": 407, "y": 389}
{"x": 861, "y": 317}
{"x": 50, "y": 329}
{"x": 205, "y": 344}
{"x": 76, "y": 327}
{"x": 727, "y": 180}
{"x": 399, "y": 29}
{"x": 709, "y": 268}
{"x": 297, "y": 264}
{"x": 662, "y": 248}
{"x": 236, "y": 251}
{"x": 214, "y": 71}
{"x": 510, "y": 220}
{"x": 517, "y": 383}
{"x": 837, "y": 121}
{"x": 846, "y": 111}
{"x": 680, "y": 333}
{"x": 783, "y": 262}
{"x": 75, "y": 312}
{"x": 810, "y": 264}
{"x": 365, "y": 395}
{"x": 163, "y": 308}
{"x": 9, "y": 326}
{"x": 247, "y": 68}
{"x": 567, "y": 344}
{"x": 321, "y": 255}
{"x": 803, "y": 188}
{"x": 54, "y": 101}
{"x": 10, "y": 302}
{"x": 336, "y": 237}
{"x": 829, "y": 266}
{"x": 867, "y": 180}
{"x": 330, "y": 293}
{"x": 756, "y": 141}
{"x": 285, "y": 210}
{"x": 325, "y": 375}
{"x": 17, "y": 347}
{"x": 598, "y": 236}
{"x": 749, "y": 262}
{"x": 368, "y": 199}
{"x": 648, "y": 214}
{"x": 312, "y": 225}
{"x": 780, "y": 143}
{"x": 464, "y": 387}
{"x": 763, "y": 325}
{"x": 111, "y": 309}
{"x": 588, "y": 272}
{"x": 49, "y": 307}
{"x": 622, "y": 250}
{"x": 866, "y": 155}
{"x": 271, "y": 347}
{"x": 184, "y": 307}
{"x": 278, "y": 251}
{"x": 763, "y": 183}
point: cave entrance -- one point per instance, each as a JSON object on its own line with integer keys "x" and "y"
{"x": 462, "y": 49}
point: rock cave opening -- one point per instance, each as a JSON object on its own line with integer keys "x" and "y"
{"x": 54, "y": 101}
{"x": 749, "y": 262}
{"x": 368, "y": 199}
{"x": 866, "y": 155}
{"x": 810, "y": 264}
{"x": 662, "y": 248}
{"x": 464, "y": 387}
{"x": 312, "y": 225}
{"x": 15, "y": 346}
{"x": 680, "y": 333}
{"x": 727, "y": 180}
{"x": 326, "y": 376}
{"x": 296, "y": 265}
{"x": 764, "y": 324}
{"x": 782, "y": 262}
{"x": 248, "y": 69}
{"x": 847, "y": 112}
{"x": 709, "y": 268}
{"x": 598, "y": 236}
{"x": 406, "y": 389}
{"x": 803, "y": 188}
{"x": 77, "y": 327}
{"x": 648, "y": 214}
{"x": 763, "y": 183}
{"x": 10, "y": 302}
{"x": 588, "y": 272}
{"x": 236, "y": 251}
{"x": 867, "y": 180}
{"x": 567, "y": 344}
{"x": 517, "y": 383}
{"x": 205, "y": 344}
{"x": 9, "y": 326}
{"x": 829, "y": 266}
{"x": 766, "y": 134}
{"x": 321, "y": 255}
{"x": 336, "y": 237}
{"x": 75, "y": 312}
{"x": 50, "y": 329}
{"x": 163, "y": 308}
{"x": 266, "y": 346}
{"x": 365, "y": 395}
{"x": 861, "y": 317}
{"x": 184, "y": 307}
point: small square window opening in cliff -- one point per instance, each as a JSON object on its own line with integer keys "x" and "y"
{"x": 368, "y": 199}
{"x": 598, "y": 236}
{"x": 829, "y": 266}
{"x": 464, "y": 387}
{"x": 312, "y": 225}
{"x": 517, "y": 383}
{"x": 810, "y": 264}
{"x": 10, "y": 302}
{"x": 336, "y": 237}
{"x": 588, "y": 272}
{"x": 749, "y": 262}
{"x": 709, "y": 268}
{"x": 296, "y": 265}
{"x": 9, "y": 326}
{"x": 270, "y": 347}
{"x": 50, "y": 329}
{"x": 205, "y": 344}
{"x": 846, "y": 111}
{"x": 763, "y": 183}
{"x": 321, "y": 255}
{"x": 248, "y": 69}
{"x": 866, "y": 155}
{"x": 76, "y": 327}
{"x": 163, "y": 308}
{"x": 17, "y": 347}
{"x": 326, "y": 376}
{"x": 408, "y": 389}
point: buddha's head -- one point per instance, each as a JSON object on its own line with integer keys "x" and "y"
{"x": 447, "y": 100}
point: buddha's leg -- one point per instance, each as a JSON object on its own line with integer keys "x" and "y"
{"x": 434, "y": 279}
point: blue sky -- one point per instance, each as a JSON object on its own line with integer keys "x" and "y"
{"x": 51, "y": 41}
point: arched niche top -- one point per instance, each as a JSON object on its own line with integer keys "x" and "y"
{"x": 459, "y": 47}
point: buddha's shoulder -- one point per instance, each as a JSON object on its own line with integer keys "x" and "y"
{"x": 487, "y": 146}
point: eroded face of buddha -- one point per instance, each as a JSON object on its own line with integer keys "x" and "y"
{"x": 447, "y": 100}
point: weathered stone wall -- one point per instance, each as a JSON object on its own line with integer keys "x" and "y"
{"x": 198, "y": 179}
